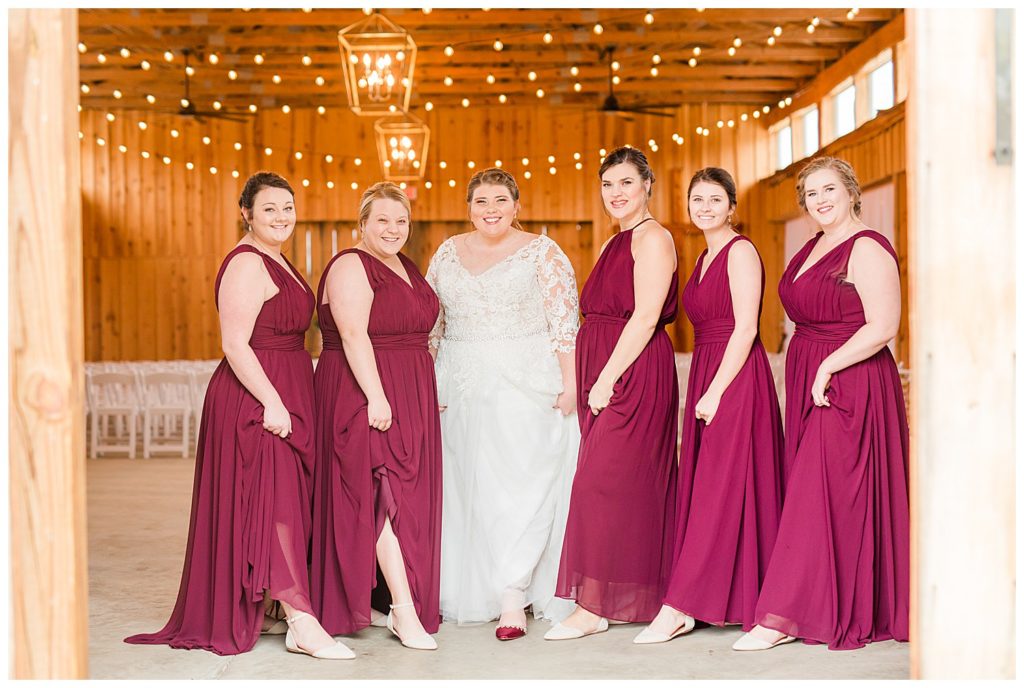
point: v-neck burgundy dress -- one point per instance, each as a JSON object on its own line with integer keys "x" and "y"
{"x": 363, "y": 475}
{"x": 617, "y": 552}
{"x": 840, "y": 570}
{"x": 250, "y": 523}
{"x": 730, "y": 472}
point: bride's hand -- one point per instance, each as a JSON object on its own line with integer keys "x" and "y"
{"x": 566, "y": 402}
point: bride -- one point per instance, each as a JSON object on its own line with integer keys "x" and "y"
{"x": 504, "y": 343}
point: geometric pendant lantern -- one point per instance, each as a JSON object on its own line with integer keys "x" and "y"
{"x": 402, "y": 145}
{"x": 378, "y": 59}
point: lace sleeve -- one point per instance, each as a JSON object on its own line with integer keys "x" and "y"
{"x": 561, "y": 302}
{"x": 437, "y": 332}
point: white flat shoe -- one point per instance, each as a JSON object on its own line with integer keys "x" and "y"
{"x": 750, "y": 643}
{"x": 649, "y": 637}
{"x": 337, "y": 651}
{"x": 562, "y": 632}
{"x": 280, "y": 627}
{"x": 421, "y": 642}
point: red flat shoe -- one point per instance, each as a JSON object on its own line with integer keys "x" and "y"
{"x": 509, "y": 632}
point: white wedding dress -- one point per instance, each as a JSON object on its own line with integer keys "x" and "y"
{"x": 508, "y": 455}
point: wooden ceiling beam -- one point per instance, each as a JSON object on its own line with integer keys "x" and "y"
{"x": 411, "y": 19}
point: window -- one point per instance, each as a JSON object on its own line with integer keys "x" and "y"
{"x": 784, "y": 146}
{"x": 810, "y": 127}
{"x": 845, "y": 111}
{"x": 880, "y": 86}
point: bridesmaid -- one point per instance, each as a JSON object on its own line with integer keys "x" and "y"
{"x": 250, "y": 521}
{"x": 377, "y": 485}
{"x": 730, "y": 490}
{"x": 839, "y": 573}
{"x": 617, "y": 551}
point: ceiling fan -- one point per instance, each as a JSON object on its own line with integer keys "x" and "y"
{"x": 188, "y": 107}
{"x": 611, "y": 103}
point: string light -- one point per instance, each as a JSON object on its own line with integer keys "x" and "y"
{"x": 217, "y": 105}
{"x": 145, "y": 65}
{"x": 145, "y": 155}
{"x": 448, "y": 81}
{"x": 499, "y": 46}
{"x": 85, "y": 88}
{"x": 232, "y": 74}
{"x": 143, "y": 126}
{"x": 428, "y": 106}
{"x": 654, "y": 71}
{"x": 213, "y": 170}
{"x": 736, "y": 42}
{"x": 110, "y": 117}
{"x": 268, "y": 151}
{"x": 470, "y": 164}
{"x": 234, "y": 173}
{"x": 532, "y": 76}
{"x": 166, "y": 160}
{"x": 276, "y": 78}
{"x": 616, "y": 80}
{"x": 451, "y": 183}
{"x": 490, "y": 78}
{"x": 442, "y": 164}
{"x": 579, "y": 166}
{"x": 213, "y": 58}
{"x": 100, "y": 141}
{"x": 354, "y": 185}
{"x": 598, "y": 29}
{"x": 305, "y": 182}
{"x": 307, "y": 60}
{"x": 656, "y": 58}
{"x": 123, "y": 148}
{"x": 321, "y": 110}
{"x": 693, "y": 62}
{"x": 551, "y": 170}
{"x": 502, "y": 98}
{"x": 175, "y": 133}
{"x": 449, "y": 51}
{"x": 286, "y": 109}
{"x": 189, "y": 166}
{"x": 548, "y": 37}
{"x": 615, "y": 66}
{"x": 330, "y": 185}
{"x": 574, "y": 70}
{"x": 101, "y": 58}
{"x": 117, "y": 94}
{"x": 298, "y": 155}
{"x": 207, "y": 140}
{"x": 577, "y": 87}
{"x": 731, "y": 51}
{"x": 810, "y": 28}
{"x": 696, "y": 51}
{"x": 81, "y": 48}
{"x": 428, "y": 184}
{"x": 527, "y": 174}
{"x": 526, "y": 161}
{"x": 328, "y": 158}
{"x": 252, "y": 107}
{"x": 777, "y": 31}
{"x": 497, "y": 163}
{"x": 258, "y": 58}
{"x": 358, "y": 161}
{"x": 150, "y": 98}
{"x": 320, "y": 81}
{"x": 465, "y": 102}
{"x": 238, "y": 145}
{"x": 169, "y": 56}
{"x": 540, "y": 92}
{"x": 771, "y": 40}
{"x": 648, "y": 18}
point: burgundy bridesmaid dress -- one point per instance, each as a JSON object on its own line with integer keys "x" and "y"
{"x": 250, "y": 522}
{"x": 840, "y": 570}
{"x": 364, "y": 475}
{"x": 730, "y": 472}
{"x": 617, "y": 552}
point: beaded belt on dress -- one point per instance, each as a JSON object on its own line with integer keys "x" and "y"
{"x": 715, "y": 331}
{"x": 278, "y": 342}
{"x": 491, "y": 337}
{"x": 384, "y": 342}
{"x": 836, "y": 333}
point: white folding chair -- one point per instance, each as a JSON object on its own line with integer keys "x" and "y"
{"x": 166, "y": 413}
{"x": 113, "y": 400}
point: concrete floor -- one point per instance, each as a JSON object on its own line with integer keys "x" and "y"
{"x": 138, "y": 519}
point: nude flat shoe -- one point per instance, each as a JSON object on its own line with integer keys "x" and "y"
{"x": 562, "y": 632}
{"x": 421, "y": 642}
{"x": 280, "y": 627}
{"x": 337, "y": 651}
{"x": 649, "y": 637}
{"x": 750, "y": 643}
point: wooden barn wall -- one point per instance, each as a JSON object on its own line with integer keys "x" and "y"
{"x": 877, "y": 151}
{"x": 155, "y": 232}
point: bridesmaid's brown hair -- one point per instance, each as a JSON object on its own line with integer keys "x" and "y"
{"x": 841, "y": 168}
{"x": 380, "y": 191}
{"x": 498, "y": 177}
{"x": 256, "y": 183}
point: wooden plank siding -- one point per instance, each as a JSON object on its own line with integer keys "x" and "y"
{"x": 155, "y": 234}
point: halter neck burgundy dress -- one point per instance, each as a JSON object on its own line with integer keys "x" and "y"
{"x": 730, "y": 472}
{"x": 617, "y": 551}
{"x": 364, "y": 475}
{"x": 250, "y": 522}
{"x": 840, "y": 570}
